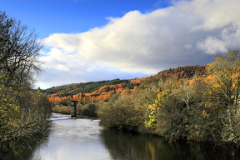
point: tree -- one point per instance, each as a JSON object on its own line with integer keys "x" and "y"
{"x": 19, "y": 51}
{"x": 23, "y": 111}
{"x": 225, "y": 76}
{"x": 223, "y": 83}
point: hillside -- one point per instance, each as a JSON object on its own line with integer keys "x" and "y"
{"x": 94, "y": 91}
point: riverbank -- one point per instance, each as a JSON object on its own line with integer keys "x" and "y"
{"x": 192, "y": 125}
{"x": 163, "y": 113}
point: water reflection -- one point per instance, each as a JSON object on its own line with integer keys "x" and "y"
{"x": 23, "y": 148}
{"x": 127, "y": 146}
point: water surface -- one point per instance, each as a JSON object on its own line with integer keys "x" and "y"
{"x": 85, "y": 139}
{"x": 72, "y": 139}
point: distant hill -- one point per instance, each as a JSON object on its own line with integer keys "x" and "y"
{"x": 90, "y": 91}
{"x": 94, "y": 91}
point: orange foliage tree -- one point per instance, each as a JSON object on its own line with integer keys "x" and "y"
{"x": 224, "y": 78}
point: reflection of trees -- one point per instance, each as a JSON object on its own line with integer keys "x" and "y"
{"x": 219, "y": 152}
{"x": 127, "y": 146}
{"x": 23, "y": 149}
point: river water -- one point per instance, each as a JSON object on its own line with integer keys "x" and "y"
{"x": 85, "y": 139}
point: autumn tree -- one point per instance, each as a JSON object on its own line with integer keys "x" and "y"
{"x": 225, "y": 76}
{"x": 223, "y": 91}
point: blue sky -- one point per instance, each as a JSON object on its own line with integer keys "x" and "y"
{"x": 73, "y": 16}
{"x": 92, "y": 40}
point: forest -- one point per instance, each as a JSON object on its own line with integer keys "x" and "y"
{"x": 90, "y": 91}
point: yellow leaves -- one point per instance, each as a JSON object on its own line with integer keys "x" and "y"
{"x": 39, "y": 92}
{"x": 225, "y": 76}
{"x": 10, "y": 114}
{"x": 160, "y": 98}
{"x": 152, "y": 107}
{"x": 153, "y": 120}
{"x": 153, "y": 112}
{"x": 205, "y": 113}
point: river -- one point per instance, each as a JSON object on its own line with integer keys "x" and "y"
{"x": 85, "y": 139}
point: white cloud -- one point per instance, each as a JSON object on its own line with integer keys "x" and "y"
{"x": 215, "y": 13}
{"x": 187, "y": 33}
{"x": 212, "y": 45}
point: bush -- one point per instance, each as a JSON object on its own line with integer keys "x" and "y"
{"x": 62, "y": 109}
{"x": 89, "y": 110}
{"x": 121, "y": 113}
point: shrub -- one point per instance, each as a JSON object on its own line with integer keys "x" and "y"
{"x": 89, "y": 110}
{"x": 62, "y": 109}
{"x": 121, "y": 113}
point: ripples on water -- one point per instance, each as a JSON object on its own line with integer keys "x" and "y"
{"x": 84, "y": 139}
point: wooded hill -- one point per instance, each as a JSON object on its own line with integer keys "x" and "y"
{"x": 94, "y": 91}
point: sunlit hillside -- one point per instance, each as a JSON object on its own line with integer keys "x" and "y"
{"x": 101, "y": 90}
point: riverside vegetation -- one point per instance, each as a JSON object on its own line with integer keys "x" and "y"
{"x": 203, "y": 107}
{"x": 23, "y": 110}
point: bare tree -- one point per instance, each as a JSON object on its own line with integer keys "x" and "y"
{"x": 19, "y": 52}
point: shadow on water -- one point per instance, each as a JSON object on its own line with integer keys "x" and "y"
{"x": 128, "y": 146}
{"x": 24, "y": 147}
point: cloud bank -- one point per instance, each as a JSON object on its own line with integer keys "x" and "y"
{"x": 137, "y": 44}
